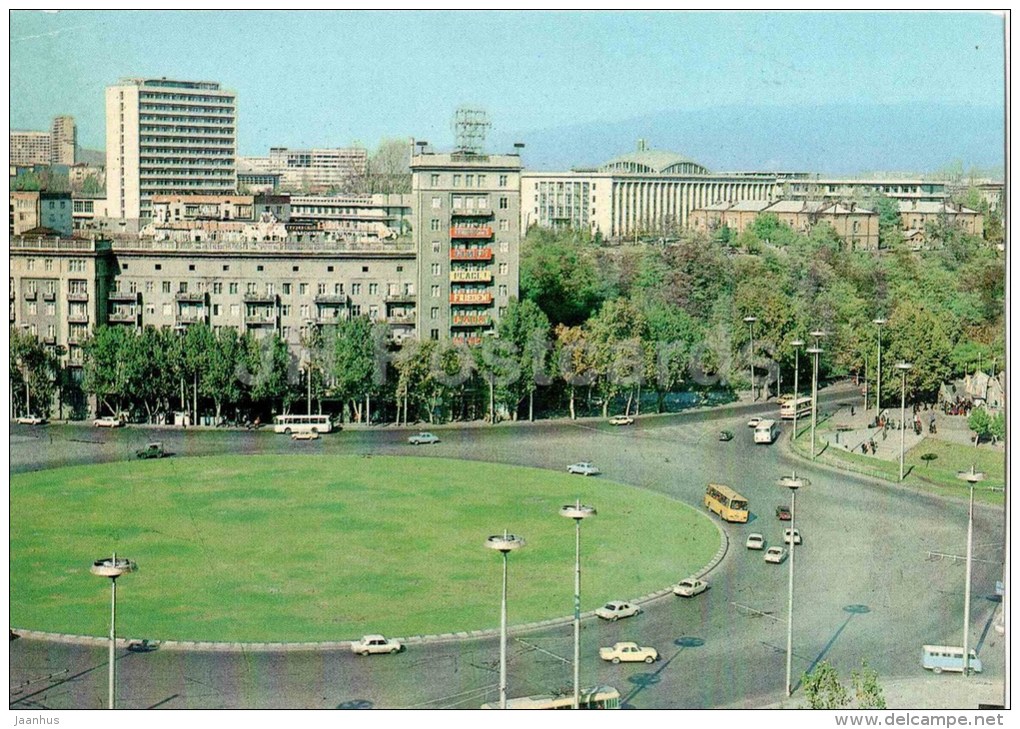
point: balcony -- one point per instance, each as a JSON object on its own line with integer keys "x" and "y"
{"x": 404, "y": 298}
{"x": 129, "y": 296}
{"x": 470, "y": 275}
{"x": 260, "y": 298}
{"x": 334, "y": 299}
{"x": 257, "y": 320}
{"x": 331, "y": 317}
{"x": 405, "y": 319}
{"x": 49, "y": 295}
{"x": 470, "y": 320}
{"x": 30, "y": 296}
{"x": 190, "y": 297}
{"x": 470, "y": 254}
{"x": 479, "y": 213}
{"x": 184, "y": 318}
{"x": 470, "y": 341}
{"x": 77, "y": 296}
{"x": 50, "y": 341}
{"x": 463, "y": 231}
{"x": 121, "y": 317}
{"x": 471, "y": 297}
{"x": 77, "y": 318}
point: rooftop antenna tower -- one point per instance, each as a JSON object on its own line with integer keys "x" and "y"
{"x": 470, "y": 127}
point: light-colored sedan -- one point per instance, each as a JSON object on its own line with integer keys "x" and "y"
{"x": 791, "y": 535}
{"x": 108, "y": 422}
{"x": 690, "y": 587}
{"x": 422, "y": 439}
{"x": 621, "y": 420}
{"x": 30, "y": 420}
{"x": 583, "y": 469}
{"x": 616, "y": 609}
{"x": 375, "y": 644}
{"x": 629, "y": 653}
{"x": 753, "y": 422}
{"x": 755, "y": 541}
{"x": 305, "y": 435}
{"x": 775, "y": 555}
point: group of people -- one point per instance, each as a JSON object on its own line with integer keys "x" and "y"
{"x": 959, "y": 407}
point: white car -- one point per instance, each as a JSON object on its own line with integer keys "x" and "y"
{"x": 629, "y": 652}
{"x": 310, "y": 435}
{"x": 753, "y": 422}
{"x": 584, "y": 469}
{"x": 690, "y": 587}
{"x": 375, "y": 644}
{"x": 422, "y": 439}
{"x": 791, "y": 534}
{"x": 755, "y": 541}
{"x": 108, "y": 422}
{"x": 30, "y": 420}
{"x": 621, "y": 420}
{"x": 616, "y": 609}
{"x": 775, "y": 555}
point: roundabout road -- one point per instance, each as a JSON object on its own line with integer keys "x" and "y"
{"x": 867, "y": 588}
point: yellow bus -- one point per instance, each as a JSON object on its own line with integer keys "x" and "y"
{"x": 726, "y": 502}
{"x": 601, "y": 697}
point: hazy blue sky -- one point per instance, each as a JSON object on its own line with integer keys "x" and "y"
{"x": 332, "y": 78}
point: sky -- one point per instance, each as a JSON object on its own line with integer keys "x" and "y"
{"x": 329, "y": 79}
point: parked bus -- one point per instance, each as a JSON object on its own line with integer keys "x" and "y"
{"x": 800, "y": 405}
{"x": 602, "y": 697}
{"x": 726, "y": 502}
{"x": 766, "y": 431}
{"x": 939, "y": 658}
{"x": 302, "y": 424}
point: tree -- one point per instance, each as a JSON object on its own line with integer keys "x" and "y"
{"x": 33, "y": 370}
{"x": 670, "y": 337}
{"x": 104, "y": 373}
{"x": 498, "y": 363}
{"x": 615, "y": 335}
{"x": 527, "y": 327}
{"x": 219, "y": 379}
{"x": 981, "y": 423}
{"x": 559, "y": 272}
{"x": 867, "y": 691}
{"x": 998, "y": 426}
{"x": 574, "y": 359}
{"x": 351, "y": 361}
{"x": 823, "y": 689}
{"x": 267, "y": 368}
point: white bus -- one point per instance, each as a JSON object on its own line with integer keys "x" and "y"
{"x": 766, "y": 431}
{"x": 939, "y": 658}
{"x": 800, "y": 405}
{"x": 601, "y": 697}
{"x": 302, "y": 424}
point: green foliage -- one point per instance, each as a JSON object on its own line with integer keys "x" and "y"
{"x": 866, "y": 688}
{"x": 998, "y": 426}
{"x": 823, "y": 689}
{"x": 980, "y": 422}
{"x": 34, "y": 372}
{"x": 559, "y": 272}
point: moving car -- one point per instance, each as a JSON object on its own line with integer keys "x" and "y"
{"x": 775, "y": 555}
{"x": 30, "y": 420}
{"x": 782, "y": 513}
{"x": 753, "y": 422}
{"x": 793, "y": 534}
{"x": 755, "y": 541}
{"x": 621, "y": 420}
{"x": 422, "y": 439}
{"x": 152, "y": 450}
{"x": 690, "y": 587}
{"x": 617, "y": 609}
{"x": 375, "y": 644}
{"x": 109, "y": 421}
{"x": 629, "y": 652}
{"x": 306, "y": 435}
{"x": 584, "y": 469}
{"x": 725, "y": 435}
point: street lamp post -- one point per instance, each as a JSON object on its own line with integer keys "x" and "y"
{"x": 750, "y": 325}
{"x": 793, "y": 483}
{"x": 816, "y": 350}
{"x": 797, "y": 344}
{"x": 504, "y": 543}
{"x": 112, "y": 568}
{"x": 971, "y": 477}
{"x": 577, "y": 512}
{"x": 878, "y": 386}
{"x": 903, "y": 367}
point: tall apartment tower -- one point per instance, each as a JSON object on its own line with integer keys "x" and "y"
{"x": 167, "y": 137}
{"x": 30, "y": 148}
{"x": 467, "y": 236}
{"x": 63, "y": 140}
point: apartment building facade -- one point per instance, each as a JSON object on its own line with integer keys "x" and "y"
{"x": 167, "y": 136}
{"x": 307, "y": 170}
{"x": 31, "y": 210}
{"x": 30, "y": 148}
{"x": 467, "y": 236}
{"x": 63, "y": 140}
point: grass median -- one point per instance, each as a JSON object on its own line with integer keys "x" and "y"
{"x": 320, "y": 548}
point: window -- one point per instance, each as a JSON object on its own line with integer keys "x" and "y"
{"x": 159, "y": 267}
{"x": 48, "y": 264}
{"x": 285, "y": 310}
{"x": 435, "y": 224}
{"x": 435, "y": 312}
{"x": 364, "y": 269}
{"x": 294, "y": 268}
{"x": 338, "y": 288}
{"x": 400, "y": 269}
{"x": 233, "y": 287}
{"x": 458, "y": 202}
{"x": 286, "y": 288}
{"x": 435, "y": 292}
{"x": 183, "y": 287}
{"x": 481, "y": 180}
{"x": 33, "y": 308}
{"x": 51, "y": 309}
{"x": 249, "y": 288}
{"x": 235, "y": 310}
{"x": 329, "y": 269}
{"x": 435, "y": 246}
{"x": 356, "y": 289}
{"x": 434, "y": 334}
{"x": 502, "y": 289}
{"x": 373, "y": 312}
{"x": 469, "y": 180}
{"x": 356, "y": 310}
{"x": 226, "y": 268}
{"x": 373, "y": 289}
{"x": 504, "y": 268}
{"x": 148, "y": 287}
{"x": 437, "y": 269}
{"x": 437, "y": 203}
{"x": 304, "y": 311}
{"x": 456, "y": 180}
{"x": 303, "y": 289}
{"x": 191, "y": 266}
{"x": 270, "y": 289}
{"x": 321, "y": 289}
{"x": 502, "y": 180}
{"x": 504, "y": 246}
{"x": 504, "y": 203}
{"x": 167, "y": 309}
{"x": 216, "y": 309}
{"x": 217, "y": 287}
{"x": 504, "y": 225}
{"x": 483, "y": 203}
{"x": 166, "y": 287}
{"x": 434, "y": 180}
{"x": 30, "y": 265}
{"x": 150, "y": 309}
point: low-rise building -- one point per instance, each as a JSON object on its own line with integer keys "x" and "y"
{"x": 919, "y": 215}
{"x": 40, "y": 209}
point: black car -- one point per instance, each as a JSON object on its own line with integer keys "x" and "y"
{"x": 783, "y": 514}
{"x": 725, "y": 435}
{"x": 152, "y": 450}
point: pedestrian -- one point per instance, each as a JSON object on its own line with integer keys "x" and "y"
{"x": 864, "y": 448}
{"x": 851, "y": 411}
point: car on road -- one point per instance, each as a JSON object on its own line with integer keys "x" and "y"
{"x": 725, "y": 435}
{"x": 791, "y": 535}
{"x": 152, "y": 450}
{"x": 783, "y": 514}
{"x": 309, "y": 435}
{"x": 109, "y": 421}
{"x": 621, "y": 420}
{"x": 30, "y": 420}
{"x": 753, "y": 422}
{"x": 755, "y": 541}
{"x": 628, "y": 652}
{"x": 690, "y": 587}
{"x": 617, "y": 609}
{"x": 584, "y": 469}
{"x": 370, "y": 644}
{"x": 775, "y": 555}
{"x": 422, "y": 439}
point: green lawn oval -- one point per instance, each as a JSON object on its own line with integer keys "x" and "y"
{"x": 321, "y": 548}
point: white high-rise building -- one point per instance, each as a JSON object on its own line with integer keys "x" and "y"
{"x": 166, "y": 136}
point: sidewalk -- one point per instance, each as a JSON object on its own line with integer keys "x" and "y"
{"x": 850, "y": 427}
{"x": 930, "y": 692}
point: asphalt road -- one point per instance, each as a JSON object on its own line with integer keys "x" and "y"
{"x": 866, "y": 586}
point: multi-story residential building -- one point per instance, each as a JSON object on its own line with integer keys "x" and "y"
{"x": 307, "y": 170}
{"x": 30, "y": 148}
{"x": 166, "y": 136}
{"x": 467, "y": 210}
{"x": 916, "y": 216}
{"x": 63, "y": 141}
{"x": 32, "y": 210}
{"x": 816, "y": 188}
{"x": 361, "y": 216}
{"x": 254, "y": 181}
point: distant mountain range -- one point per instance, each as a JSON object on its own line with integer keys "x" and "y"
{"x": 830, "y": 140}
{"x": 92, "y": 157}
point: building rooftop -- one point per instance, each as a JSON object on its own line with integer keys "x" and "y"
{"x": 646, "y": 160}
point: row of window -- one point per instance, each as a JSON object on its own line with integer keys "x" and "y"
{"x": 195, "y": 313}
{"x": 437, "y": 290}
{"x": 468, "y": 180}
{"x": 437, "y": 269}
{"x": 251, "y": 288}
{"x": 436, "y": 224}
{"x": 190, "y": 119}
{"x": 74, "y": 265}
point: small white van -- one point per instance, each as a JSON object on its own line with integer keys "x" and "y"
{"x": 939, "y": 658}
{"x": 766, "y": 431}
